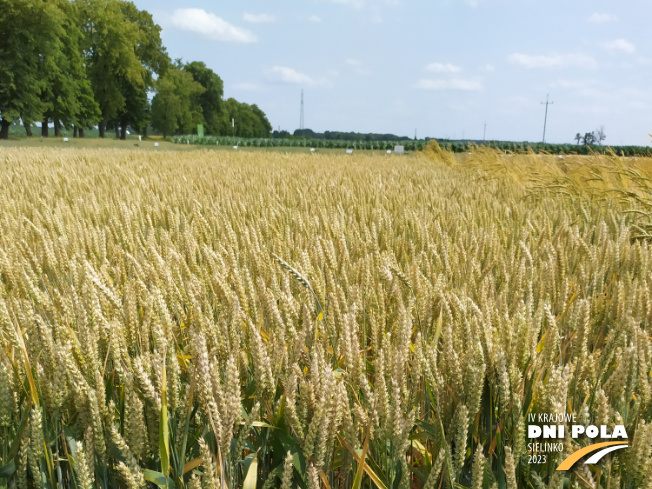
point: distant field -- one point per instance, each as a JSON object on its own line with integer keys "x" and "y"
{"x": 92, "y": 140}
{"x": 132, "y": 143}
{"x": 212, "y": 319}
{"x": 87, "y": 142}
{"x": 456, "y": 146}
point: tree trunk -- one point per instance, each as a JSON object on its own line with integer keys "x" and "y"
{"x": 102, "y": 128}
{"x": 123, "y": 132}
{"x": 4, "y": 132}
{"x": 117, "y": 132}
{"x": 44, "y": 129}
{"x": 57, "y": 129}
{"x": 75, "y": 131}
{"x": 81, "y": 132}
{"x": 28, "y": 128}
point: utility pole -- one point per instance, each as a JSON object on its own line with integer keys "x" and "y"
{"x": 301, "y": 117}
{"x": 484, "y": 133}
{"x": 545, "y": 119}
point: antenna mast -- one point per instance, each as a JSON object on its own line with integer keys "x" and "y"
{"x": 545, "y": 119}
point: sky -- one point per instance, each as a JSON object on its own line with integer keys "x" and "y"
{"x": 442, "y": 69}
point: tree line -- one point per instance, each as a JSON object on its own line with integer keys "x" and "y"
{"x": 340, "y": 136}
{"x": 85, "y": 63}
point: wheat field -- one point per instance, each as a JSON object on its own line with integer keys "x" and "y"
{"x": 226, "y": 320}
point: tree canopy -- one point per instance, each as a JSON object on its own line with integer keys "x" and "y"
{"x": 245, "y": 120}
{"x": 25, "y": 43}
{"x": 82, "y": 63}
{"x": 211, "y": 99}
{"x": 176, "y": 106}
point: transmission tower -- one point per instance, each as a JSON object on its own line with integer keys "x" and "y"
{"x": 545, "y": 119}
{"x": 301, "y": 125}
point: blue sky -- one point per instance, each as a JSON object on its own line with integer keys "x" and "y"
{"x": 444, "y": 68}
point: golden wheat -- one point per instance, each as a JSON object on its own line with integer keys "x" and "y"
{"x": 213, "y": 319}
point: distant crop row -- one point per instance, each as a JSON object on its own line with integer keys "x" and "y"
{"x": 297, "y": 143}
{"x": 411, "y": 145}
{"x": 523, "y": 147}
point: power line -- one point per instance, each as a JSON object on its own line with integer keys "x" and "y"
{"x": 545, "y": 119}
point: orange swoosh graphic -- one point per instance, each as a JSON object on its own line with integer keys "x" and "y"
{"x": 575, "y": 456}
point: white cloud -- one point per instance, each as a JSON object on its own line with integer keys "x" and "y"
{"x": 583, "y": 87}
{"x": 554, "y": 61}
{"x": 209, "y": 26}
{"x": 358, "y": 68}
{"x": 247, "y": 87}
{"x": 289, "y": 75}
{"x": 489, "y": 67}
{"x": 443, "y": 68}
{"x": 314, "y": 18}
{"x": 351, "y": 3}
{"x": 598, "y": 18}
{"x": 620, "y": 46}
{"x": 572, "y": 84}
{"x": 450, "y": 84}
{"x": 360, "y": 3}
{"x": 258, "y": 18}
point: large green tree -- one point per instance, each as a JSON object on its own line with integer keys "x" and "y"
{"x": 110, "y": 50}
{"x": 211, "y": 100}
{"x": 249, "y": 120}
{"x": 88, "y": 114}
{"x": 27, "y": 38}
{"x": 176, "y": 106}
{"x": 67, "y": 96}
{"x": 153, "y": 58}
{"x": 263, "y": 127}
{"x": 123, "y": 50}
